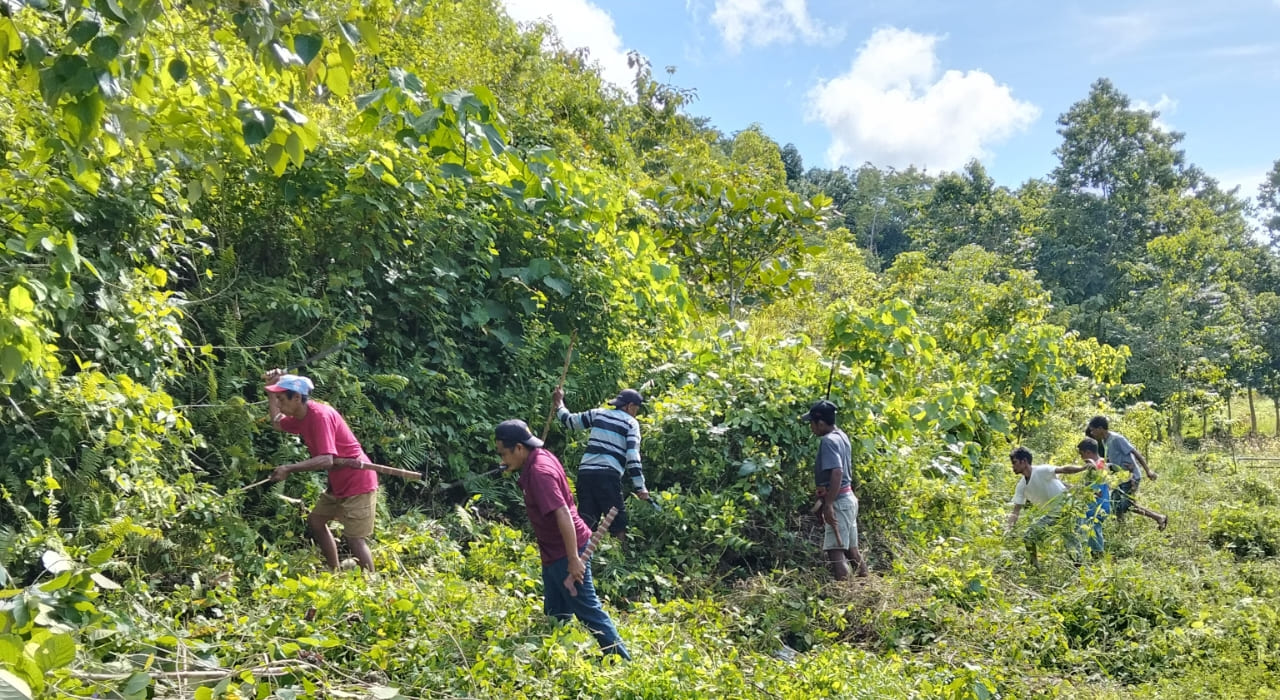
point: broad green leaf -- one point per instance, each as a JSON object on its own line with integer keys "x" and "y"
{"x": 382, "y": 692}
{"x": 307, "y": 47}
{"x": 13, "y": 687}
{"x": 255, "y": 126}
{"x": 11, "y": 361}
{"x": 100, "y": 557}
{"x": 561, "y": 286}
{"x": 135, "y": 685}
{"x": 105, "y": 48}
{"x": 293, "y": 146}
{"x": 276, "y": 159}
{"x": 84, "y": 31}
{"x": 57, "y": 583}
{"x": 112, "y": 8}
{"x": 338, "y": 81}
{"x": 20, "y": 300}
{"x": 178, "y": 70}
{"x": 10, "y": 649}
{"x": 57, "y": 651}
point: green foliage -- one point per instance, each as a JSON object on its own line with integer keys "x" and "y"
{"x": 195, "y": 192}
{"x": 1246, "y": 529}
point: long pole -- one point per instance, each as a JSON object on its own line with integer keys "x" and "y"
{"x": 564, "y": 374}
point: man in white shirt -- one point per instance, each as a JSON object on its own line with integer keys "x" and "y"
{"x": 1041, "y": 486}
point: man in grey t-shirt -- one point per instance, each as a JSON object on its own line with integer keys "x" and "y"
{"x": 833, "y": 476}
{"x": 1117, "y": 450}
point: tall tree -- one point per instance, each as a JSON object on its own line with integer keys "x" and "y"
{"x": 1117, "y": 169}
{"x": 1269, "y": 203}
{"x": 967, "y": 208}
{"x": 793, "y": 163}
{"x": 754, "y": 151}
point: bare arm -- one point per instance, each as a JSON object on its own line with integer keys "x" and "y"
{"x": 1070, "y": 470}
{"x": 273, "y": 399}
{"x": 1013, "y": 519}
{"x": 564, "y": 521}
{"x": 832, "y": 493}
{"x": 315, "y": 464}
{"x": 1142, "y": 462}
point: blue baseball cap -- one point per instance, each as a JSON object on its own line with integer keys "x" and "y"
{"x": 515, "y": 432}
{"x": 294, "y": 383}
{"x": 824, "y": 411}
{"x": 626, "y": 397}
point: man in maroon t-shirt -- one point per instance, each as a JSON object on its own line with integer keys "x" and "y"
{"x": 351, "y": 498}
{"x": 560, "y": 533}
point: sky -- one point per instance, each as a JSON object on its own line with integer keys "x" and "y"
{"x": 934, "y": 83}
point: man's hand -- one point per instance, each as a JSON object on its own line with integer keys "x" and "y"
{"x": 557, "y": 396}
{"x": 272, "y": 375}
{"x": 280, "y": 473}
{"x": 1152, "y": 476}
{"x": 577, "y": 574}
{"x": 643, "y": 494}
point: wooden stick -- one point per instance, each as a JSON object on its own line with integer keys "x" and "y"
{"x": 590, "y": 549}
{"x": 255, "y": 484}
{"x": 564, "y": 373}
{"x": 340, "y": 462}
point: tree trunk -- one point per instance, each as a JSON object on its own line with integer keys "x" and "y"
{"x": 1175, "y": 426}
{"x": 1275, "y": 403}
{"x": 1229, "y": 418}
{"x": 1204, "y": 422}
{"x": 1253, "y": 416}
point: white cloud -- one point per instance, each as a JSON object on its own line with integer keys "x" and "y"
{"x": 765, "y": 22}
{"x": 1164, "y": 106}
{"x": 579, "y": 23}
{"x": 891, "y": 108}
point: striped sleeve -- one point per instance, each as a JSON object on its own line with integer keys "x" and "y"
{"x": 574, "y": 421}
{"x": 633, "y": 456}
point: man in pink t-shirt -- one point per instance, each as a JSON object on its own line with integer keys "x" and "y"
{"x": 351, "y": 498}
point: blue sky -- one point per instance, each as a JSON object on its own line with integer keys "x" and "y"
{"x": 933, "y": 83}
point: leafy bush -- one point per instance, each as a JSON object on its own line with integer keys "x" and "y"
{"x": 1248, "y": 531}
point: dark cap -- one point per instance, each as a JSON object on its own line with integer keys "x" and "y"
{"x": 824, "y": 411}
{"x": 515, "y": 432}
{"x": 626, "y": 397}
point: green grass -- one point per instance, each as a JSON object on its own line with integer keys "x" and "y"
{"x": 456, "y": 612}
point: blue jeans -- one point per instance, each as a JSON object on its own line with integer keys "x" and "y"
{"x": 557, "y": 603}
{"x": 1098, "y": 510}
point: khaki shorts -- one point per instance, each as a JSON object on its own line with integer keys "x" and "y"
{"x": 354, "y": 512}
{"x": 846, "y": 508}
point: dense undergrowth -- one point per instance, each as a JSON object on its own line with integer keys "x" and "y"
{"x": 455, "y": 611}
{"x": 443, "y": 204}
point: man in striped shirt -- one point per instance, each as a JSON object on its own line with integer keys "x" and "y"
{"x": 613, "y": 449}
